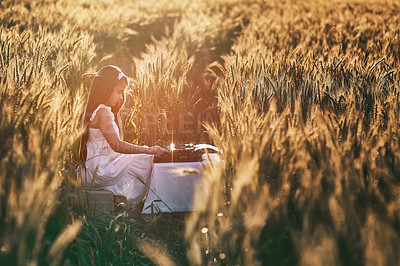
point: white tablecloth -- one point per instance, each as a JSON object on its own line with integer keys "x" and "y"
{"x": 174, "y": 184}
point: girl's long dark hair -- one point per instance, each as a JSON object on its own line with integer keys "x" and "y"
{"x": 103, "y": 84}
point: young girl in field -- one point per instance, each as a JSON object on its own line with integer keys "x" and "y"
{"x": 110, "y": 163}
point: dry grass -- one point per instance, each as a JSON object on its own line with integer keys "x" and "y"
{"x": 37, "y": 135}
{"x": 302, "y": 97}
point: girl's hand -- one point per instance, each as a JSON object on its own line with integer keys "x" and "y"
{"x": 157, "y": 150}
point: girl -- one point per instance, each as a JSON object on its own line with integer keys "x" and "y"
{"x": 110, "y": 163}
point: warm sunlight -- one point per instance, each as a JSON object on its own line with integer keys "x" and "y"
{"x": 228, "y": 132}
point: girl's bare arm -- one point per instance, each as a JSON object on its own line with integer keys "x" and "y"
{"x": 105, "y": 124}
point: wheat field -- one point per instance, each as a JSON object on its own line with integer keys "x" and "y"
{"x": 302, "y": 97}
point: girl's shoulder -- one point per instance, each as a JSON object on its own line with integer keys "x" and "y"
{"x": 102, "y": 106}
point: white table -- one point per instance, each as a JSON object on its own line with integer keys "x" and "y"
{"x": 174, "y": 184}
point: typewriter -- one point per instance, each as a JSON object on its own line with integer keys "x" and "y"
{"x": 185, "y": 153}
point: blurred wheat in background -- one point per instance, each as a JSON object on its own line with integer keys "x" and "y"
{"x": 302, "y": 97}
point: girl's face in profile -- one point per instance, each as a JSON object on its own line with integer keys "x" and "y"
{"x": 116, "y": 96}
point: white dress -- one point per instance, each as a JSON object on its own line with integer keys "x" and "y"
{"x": 128, "y": 175}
